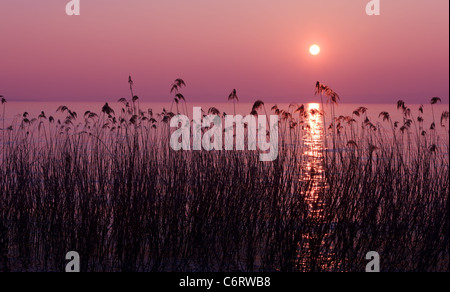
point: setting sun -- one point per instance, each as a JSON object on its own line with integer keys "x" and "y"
{"x": 314, "y": 50}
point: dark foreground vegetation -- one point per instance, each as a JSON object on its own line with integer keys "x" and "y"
{"x": 109, "y": 187}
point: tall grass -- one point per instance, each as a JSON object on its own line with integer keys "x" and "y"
{"x": 108, "y": 186}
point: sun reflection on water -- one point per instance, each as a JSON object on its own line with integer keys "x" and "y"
{"x": 312, "y": 168}
{"x": 312, "y": 163}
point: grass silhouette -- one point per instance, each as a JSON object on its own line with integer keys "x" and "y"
{"x": 108, "y": 186}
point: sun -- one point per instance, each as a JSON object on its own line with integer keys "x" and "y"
{"x": 314, "y": 50}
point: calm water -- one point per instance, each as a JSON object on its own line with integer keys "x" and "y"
{"x": 14, "y": 114}
{"x": 16, "y": 109}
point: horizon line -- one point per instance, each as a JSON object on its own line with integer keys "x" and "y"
{"x": 212, "y": 101}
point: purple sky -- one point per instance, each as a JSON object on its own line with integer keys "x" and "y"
{"x": 259, "y": 47}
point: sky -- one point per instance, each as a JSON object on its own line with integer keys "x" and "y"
{"x": 258, "y": 47}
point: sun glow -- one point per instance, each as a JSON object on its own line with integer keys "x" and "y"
{"x": 313, "y": 106}
{"x": 314, "y": 50}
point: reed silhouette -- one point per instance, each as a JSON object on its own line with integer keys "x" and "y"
{"x": 108, "y": 186}
{"x": 176, "y": 87}
{"x": 233, "y": 96}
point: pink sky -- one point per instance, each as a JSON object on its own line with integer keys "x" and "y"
{"x": 259, "y": 47}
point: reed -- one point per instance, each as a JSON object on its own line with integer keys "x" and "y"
{"x": 108, "y": 186}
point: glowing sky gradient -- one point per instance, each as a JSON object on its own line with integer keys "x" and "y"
{"x": 259, "y": 47}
